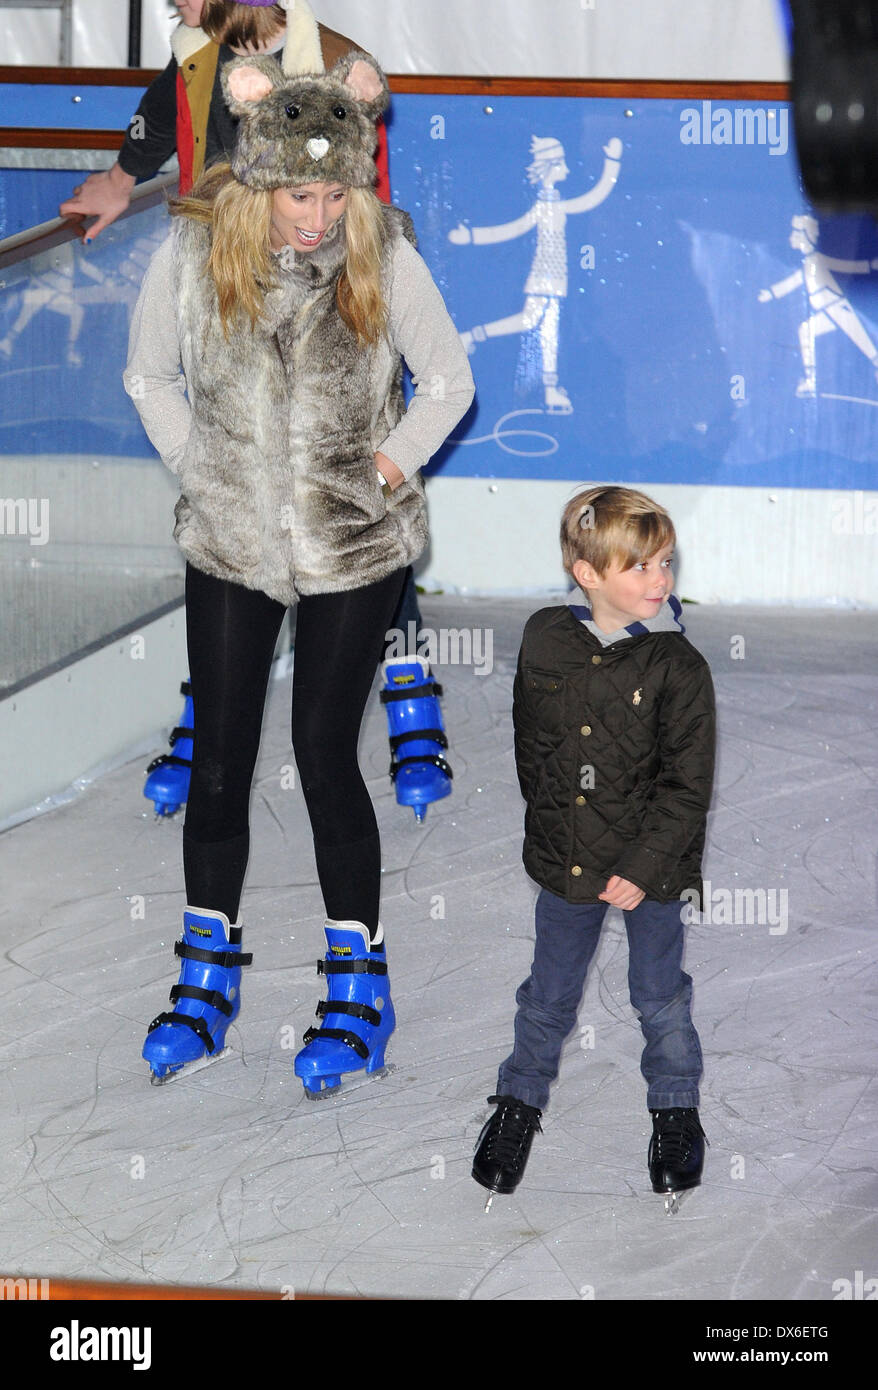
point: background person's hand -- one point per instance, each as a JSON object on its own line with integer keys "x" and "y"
{"x": 104, "y": 195}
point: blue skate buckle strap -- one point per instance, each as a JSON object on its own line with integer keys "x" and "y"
{"x": 352, "y": 967}
{"x": 227, "y": 959}
{"x": 213, "y": 997}
{"x": 197, "y": 1025}
{"x": 340, "y": 1006}
{"x": 414, "y": 692}
{"x": 425, "y": 758}
{"x": 169, "y": 759}
{"x": 341, "y": 1035}
{"x": 419, "y": 736}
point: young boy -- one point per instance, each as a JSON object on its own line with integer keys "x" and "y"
{"x": 614, "y": 746}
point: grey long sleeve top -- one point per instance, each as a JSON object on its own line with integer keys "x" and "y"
{"x": 420, "y": 329}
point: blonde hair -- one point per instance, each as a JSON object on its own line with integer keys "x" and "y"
{"x": 359, "y": 296}
{"x": 240, "y": 261}
{"x": 607, "y": 524}
{"x": 241, "y": 26}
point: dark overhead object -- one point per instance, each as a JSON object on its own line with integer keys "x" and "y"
{"x": 835, "y": 99}
{"x": 135, "y": 26}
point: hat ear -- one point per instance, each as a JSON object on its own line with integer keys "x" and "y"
{"x": 247, "y": 81}
{"x": 365, "y": 81}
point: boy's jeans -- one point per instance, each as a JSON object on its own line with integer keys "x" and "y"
{"x": 548, "y": 1001}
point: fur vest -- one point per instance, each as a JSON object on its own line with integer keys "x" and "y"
{"x": 279, "y": 486}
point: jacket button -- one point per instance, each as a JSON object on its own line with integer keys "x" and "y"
{"x": 596, "y": 661}
{"x": 580, "y": 801}
{"x": 576, "y": 871}
{"x": 585, "y": 730}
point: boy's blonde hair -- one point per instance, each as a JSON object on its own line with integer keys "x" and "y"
{"x": 607, "y": 524}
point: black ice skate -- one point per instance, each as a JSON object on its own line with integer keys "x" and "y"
{"x": 504, "y": 1145}
{"x": 676, "y": 1154}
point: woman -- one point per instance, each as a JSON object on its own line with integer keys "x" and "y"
{"x": 290, "y": 295}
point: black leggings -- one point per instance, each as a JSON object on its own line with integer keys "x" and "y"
{"x": 231, "y": 635}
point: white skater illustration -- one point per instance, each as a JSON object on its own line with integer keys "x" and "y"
{"x": 51, "y": 287}
{"x": 546, "y": 285}
{"x": 831, "y": 309}
{"x": 53, "y": 283}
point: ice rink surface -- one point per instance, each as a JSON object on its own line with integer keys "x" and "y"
{"x": 232, "y": 1177}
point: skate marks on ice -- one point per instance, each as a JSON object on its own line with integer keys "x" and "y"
{"x": 231, "y": 1177}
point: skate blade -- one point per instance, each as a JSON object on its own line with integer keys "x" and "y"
{"x": 188, "y": 1069}
{"x": 491, "y": 1196}
{"x": 357, "y": 1079}
{"x": 674, "y": 1200}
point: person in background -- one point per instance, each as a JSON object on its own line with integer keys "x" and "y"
{"x": 183, "y": 109}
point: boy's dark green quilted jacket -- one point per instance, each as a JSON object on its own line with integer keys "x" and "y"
{"x": 614, "y": 748}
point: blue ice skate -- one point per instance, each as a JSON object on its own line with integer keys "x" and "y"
{"x": 206, "y": 998}
{"x": 414, "y": 723}
{"x": 357, "y": 1015}
{"x": 167, "y": 781}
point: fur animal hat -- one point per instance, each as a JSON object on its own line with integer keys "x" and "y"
{"x": 305, "y": 129}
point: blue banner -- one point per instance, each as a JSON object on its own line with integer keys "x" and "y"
{"x": 645, "y": 292}
{"x": 64, "y": 321}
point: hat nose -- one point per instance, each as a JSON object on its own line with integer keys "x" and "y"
{"x": 317, "y": 146}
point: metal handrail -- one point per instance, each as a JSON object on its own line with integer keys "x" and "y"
{"x": 45, "y": 235}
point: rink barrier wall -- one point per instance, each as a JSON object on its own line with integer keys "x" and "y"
{"x": 735, "y": 545}
{"x": 771, "y": 542}
{"x": 96, "y": 709}
{"x": 777, "y": 540}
